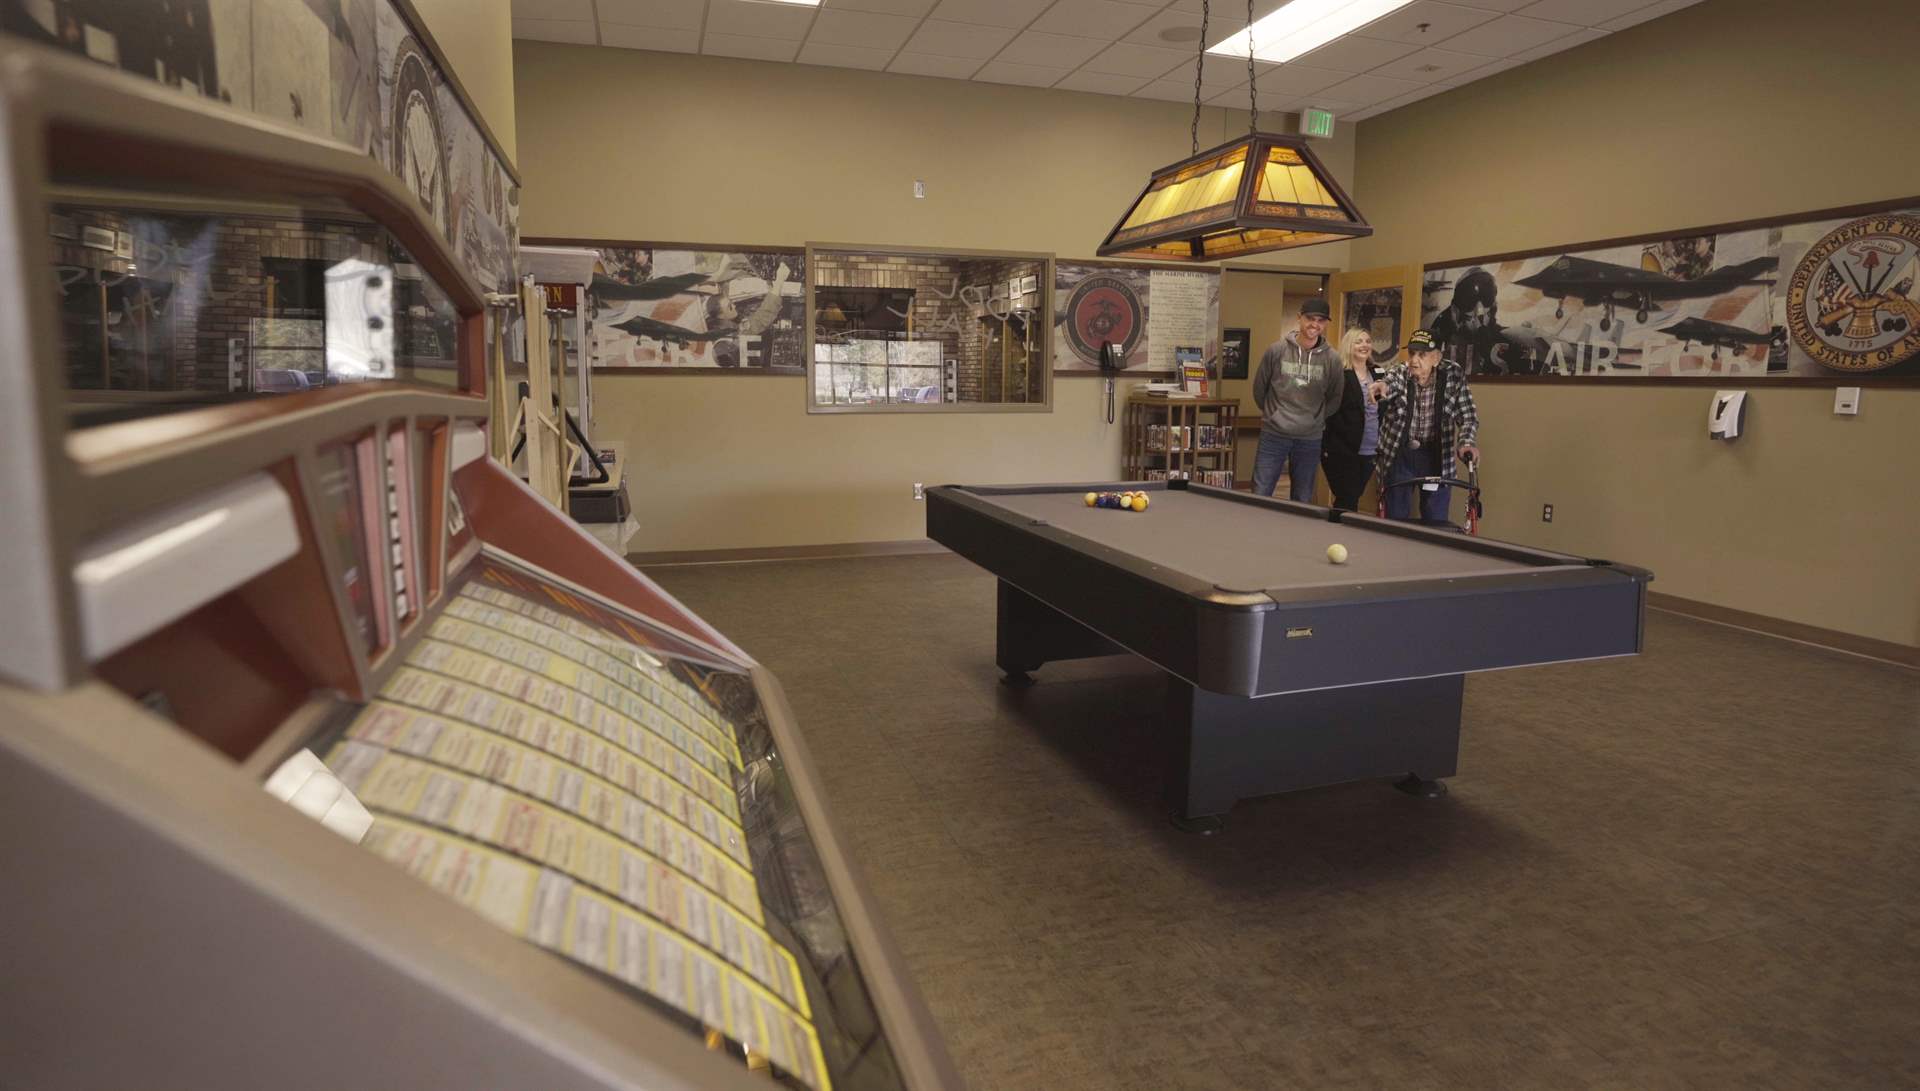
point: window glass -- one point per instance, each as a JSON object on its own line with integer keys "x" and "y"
{"x": 921, "y": 330}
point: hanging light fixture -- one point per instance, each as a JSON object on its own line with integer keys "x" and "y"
{"x": 1261, "y": 192}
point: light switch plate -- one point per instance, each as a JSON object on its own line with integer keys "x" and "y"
{"x": 1846, "y": 400}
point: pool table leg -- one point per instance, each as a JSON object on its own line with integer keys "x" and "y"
{"x": 1030, "y": 633}
{"x": 1231, "y": 748}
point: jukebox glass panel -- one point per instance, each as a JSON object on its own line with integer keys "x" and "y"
{"x": 611, "y": 791}
{"x": 166, "y": 300}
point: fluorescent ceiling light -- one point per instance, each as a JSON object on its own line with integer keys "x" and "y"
{"x": 1304, "y": 26}
{"x": 790, "y": 3}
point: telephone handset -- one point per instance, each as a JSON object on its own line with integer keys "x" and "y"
{"x": 1110, "y": 366}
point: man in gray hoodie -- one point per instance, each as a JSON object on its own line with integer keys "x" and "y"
{"x": 1298, "y": 387}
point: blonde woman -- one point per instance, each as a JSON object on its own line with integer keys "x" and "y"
{"x": 1353, "y": 433}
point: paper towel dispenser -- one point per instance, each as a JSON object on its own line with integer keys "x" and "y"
{"x": 1727, "y": 414}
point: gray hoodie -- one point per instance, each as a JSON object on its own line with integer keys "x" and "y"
{"x": 1297, "y": 391}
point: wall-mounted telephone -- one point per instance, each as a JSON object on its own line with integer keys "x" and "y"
{"x": 1110, "y": 365}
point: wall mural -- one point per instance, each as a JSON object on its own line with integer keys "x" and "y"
{"x": 354, "y": 70}
{"x": 699, "y": 308}
{"x": 1152, "y": 317}
{"x": 1830, "y": 297}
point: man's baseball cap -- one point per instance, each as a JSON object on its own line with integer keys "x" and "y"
{"x": 1315, "y": 304}
{"x": 1422, "y": 341}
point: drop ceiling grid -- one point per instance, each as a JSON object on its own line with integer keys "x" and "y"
{"x": 1422, "y": 49}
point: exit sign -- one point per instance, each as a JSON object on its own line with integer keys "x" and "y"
{"x": 1316, "y": 122}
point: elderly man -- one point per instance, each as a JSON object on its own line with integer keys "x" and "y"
{"x": 1298, "y": 386}
{"x": 1427, "y": 416}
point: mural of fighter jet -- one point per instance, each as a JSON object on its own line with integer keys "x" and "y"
{"x": 1610, "y": 285}
{"x": 608, "y": 289}
{"x": 669, "y": 333}
{"x": 1719, "y": 335}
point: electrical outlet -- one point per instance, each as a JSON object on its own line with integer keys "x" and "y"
{"x": 1546, "y": 513}
{"x": 919, "y": 189}
{"x": 919, "y": 491}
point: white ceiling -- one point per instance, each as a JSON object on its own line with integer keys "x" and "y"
{"x": 1109, "y": 47}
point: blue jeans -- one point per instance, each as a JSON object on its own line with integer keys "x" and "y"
{"x": 1299, "y": 457}
{"x": 1422, "y": 463}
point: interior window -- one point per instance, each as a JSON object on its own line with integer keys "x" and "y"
{"x": 906, "y": 330}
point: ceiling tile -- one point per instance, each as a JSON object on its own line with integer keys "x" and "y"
{"x": 554, "y": 30}
{"x": 1170, "y": 90}
{"x": 1497, "y": 5}
{"x": 758, "y": 49}
{"x": 1588, "y": 13}
{"x": 1266, "y": 101}
{"x": 1578, "y": 37}
{"x": 1427, "y": 22}
{"x": 659, "y": 39}
{"x": 914, "y": 8}
{"x": 1508, "y": 35}
{"x": 1144, "y": 61}
{"x": 1221, "y": 73}
{"x": 1026, "y": 75}
{"x": 679, "y": 14}
{"x": 1484, "y": 71}
{"x": 925, "y": 64}
{"x": 1369, "y": 89}
{"x": 1351, "y": 54}
{"x": 845, "y": 56}
{"x": 1174, "y": 19}
{"x": 1300, "y": 79}
{"x": 1229, "y": 10}
{"x": 1652, "y": 11}
{"x": 1431, "y": 66}
{"x": 992, "y": 13}
{"x": 553, "y": 9}
{"x": 938, "y": 38}
{"x": 1093, "y": 18}
{"x": 758, "y": 20}
{"x": 859, "y": 28}
{"x": 1050, "y": 50}
{"x": 1099, "y": 83}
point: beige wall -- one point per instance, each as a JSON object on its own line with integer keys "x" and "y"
{"x": 477, "y": 36}
{"x": 654, "y": 146}
{"x": 1728, "y": 110}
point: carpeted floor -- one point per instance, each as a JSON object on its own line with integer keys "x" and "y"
{"x": 1696, "y": 868}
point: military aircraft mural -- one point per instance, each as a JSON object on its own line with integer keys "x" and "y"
{"x": 1608, "y": 285}
{"x": 1715, "y": 335}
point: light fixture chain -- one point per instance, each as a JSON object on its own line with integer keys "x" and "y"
{"x": 1198, "y": 66}
{"x": 1253, "y": 104}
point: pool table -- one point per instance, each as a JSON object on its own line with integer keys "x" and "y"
{"x": 1285, "y": 670}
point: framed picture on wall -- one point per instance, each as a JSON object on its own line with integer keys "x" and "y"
{"x": 1235, "y": 350}
{"x": 1384, "y": 302}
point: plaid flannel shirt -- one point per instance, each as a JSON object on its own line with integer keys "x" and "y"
{"x": 1459, "y": 423}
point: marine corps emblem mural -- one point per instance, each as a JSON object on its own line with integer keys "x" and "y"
{"x": 1103, "y": 309}
{"x": 1851, "y": 303}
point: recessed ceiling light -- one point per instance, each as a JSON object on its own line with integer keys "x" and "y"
{"x": 1304, "y": 26}
{"x": 1180, "y": 34}
{"x": 789, "y": 3}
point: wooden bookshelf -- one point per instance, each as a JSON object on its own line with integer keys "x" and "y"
{"x": 1180, "y": 438}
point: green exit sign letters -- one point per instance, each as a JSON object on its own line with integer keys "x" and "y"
{"x": 1316, "y": 122}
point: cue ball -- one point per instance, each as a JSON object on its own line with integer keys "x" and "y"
{"x": 1091, "y": 497}
{"x": 1337, "y": 553}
